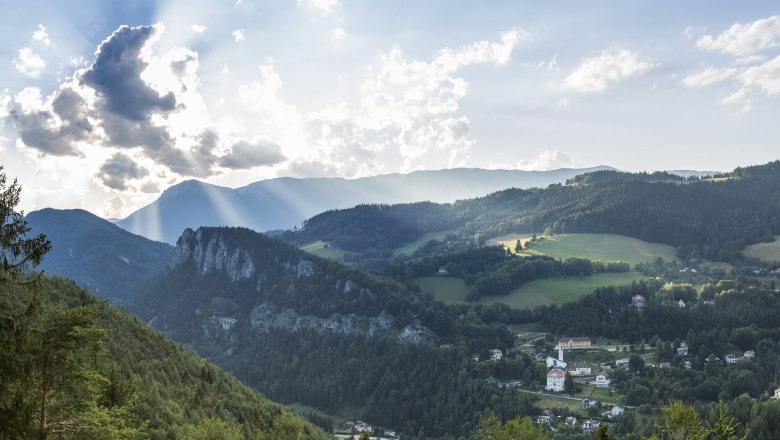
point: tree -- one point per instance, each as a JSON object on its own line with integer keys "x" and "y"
{"x": 18, "y": 254}
{"x": 568, "y": 384}
{"x": 636, "y": 364}
{"x": 682, "y": 422}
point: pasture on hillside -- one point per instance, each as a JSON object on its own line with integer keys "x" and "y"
{"x": 764, "y": 251}
{"x": 532, "y": 294}
{"x": 324, "y": 250}
{"x": 605, "y": 247}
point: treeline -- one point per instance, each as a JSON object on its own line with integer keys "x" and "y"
{"x": 702, "y": 218}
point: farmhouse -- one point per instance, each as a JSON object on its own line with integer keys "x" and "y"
{"x": 555, "y": 379}
{"x": 572, "y": 343}
{"x": 638, "y": 302}
{"x": 589, "y": 426}
{"x": 602, "y": 380}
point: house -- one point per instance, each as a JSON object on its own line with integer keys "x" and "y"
{"x": 495, "y": 354}
{"x": 683, "y": 349}
{"x": 688, "y": 365}
{"x": 616, "y": 411}
{"x": 602, "y": 380}
{"x": 442, "y": 270}
{"x": 638, "y": 302}
{"x": 777, "y": 394}
{"x": 555, "y": 379}
{"x": 622, "y": 363}
{"x": 710, "y": 302}
{"x": 544, "y": 417}
{"x": 572, "y": 343}
{"x": 664, "y": 364}
{"x": 579, "y": 369}
{"x": 570, "y": 421}
{"x": 588, "y": 402}
{"x": 681, "y": 304}
{"x": 732, "y": 359}
{"x": 750, "y": 354}
{"x": 589, "y": 426}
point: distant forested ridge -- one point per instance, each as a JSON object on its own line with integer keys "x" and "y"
{"x": 711, "y": 218}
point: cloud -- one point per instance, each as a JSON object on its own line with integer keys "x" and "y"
{"x": 238, "y": 35}
{"x": 338, "y": 33}
{"x": 611, "y": 67}
{"x": 710, "y": 76}
{"x": 324, "y": 7}
{"x": 29, "y": 63}
{"x": 118, "y": 169}
{"x": 743, "y": 39}
{"x": 198, "y": 28}
{"x": 53, "y": 127}
{"x": 116, "y": 76}
{"x": 41, "y": 35}
{"x": 547, "y": 160}
{"x": 245, "y": 155}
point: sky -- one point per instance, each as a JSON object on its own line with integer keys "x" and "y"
{"x": 105, "y": 104}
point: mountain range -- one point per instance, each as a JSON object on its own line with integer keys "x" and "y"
{"x": 97, "y": 254}
{"x": 283, "y": 203}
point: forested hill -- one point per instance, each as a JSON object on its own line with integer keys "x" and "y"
{"x": 97, "y": 254}
{"x": 713, "y": 218}
{"x": 306, "y": 330}
{"x": 106, "y": 375}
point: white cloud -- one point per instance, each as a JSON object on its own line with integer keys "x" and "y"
{"x": 324, "y": 7}
{"x": 338, "y": 33}
{"x": 29, "y": 63}
{"x": 198, "y": 28}
{"x": 710, "y": 76}
{"x": 238, "y": 35}
{"x": 599, "y": 73}
{"x": 5, "y": 101}
{"x": 743, "y": 39}
{"x": 765, "y": 76}
{"x": 547, "y": 160}
{"x": 41, "y": 35}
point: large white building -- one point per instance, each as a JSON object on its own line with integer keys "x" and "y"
{"x": 555, "y": 379}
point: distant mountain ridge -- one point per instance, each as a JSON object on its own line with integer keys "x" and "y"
{"x": 97, "y": 254}
{"x": 283, "y": 203}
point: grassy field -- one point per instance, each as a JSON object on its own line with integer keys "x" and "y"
{"x": 445, "y": 289}
{"x": 410, "y": 248}
{"x": 318, "y": 248}
{"x": 764, "y": 251}
{"x": 556, "y": 402}
{"x": 532, "y": 294}
{"x": 606, "y": 247}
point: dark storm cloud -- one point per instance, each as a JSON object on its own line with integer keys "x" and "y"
{"x": 118, "y": 169}
{"x": 245, "y": 155}
{"x": 37, "y": 131}
{"x": 116, "y": 76}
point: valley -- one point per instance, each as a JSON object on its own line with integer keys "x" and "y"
{"x": 418, "y": 330}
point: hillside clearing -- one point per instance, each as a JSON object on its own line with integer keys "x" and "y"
{"x": 532, "y": 294}
{"x": 324, "y": 250}
{"x": 410, "y": 248}
{"x": 764, "y": 251}
{"x": 606, "y": 247}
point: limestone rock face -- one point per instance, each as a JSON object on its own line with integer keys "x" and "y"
{"x": 212, "y": 256}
